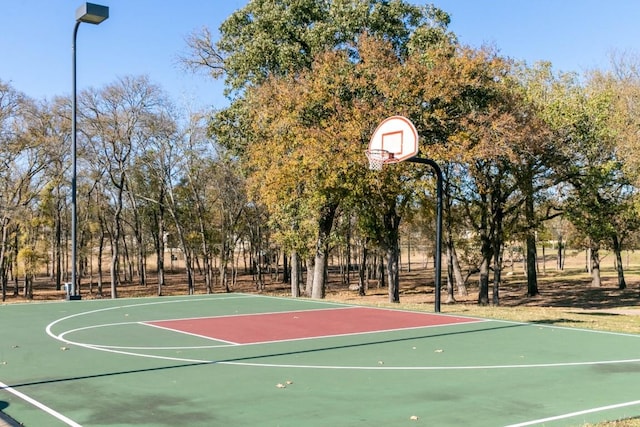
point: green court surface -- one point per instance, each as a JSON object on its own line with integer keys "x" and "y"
{"x": 244, "y": 360}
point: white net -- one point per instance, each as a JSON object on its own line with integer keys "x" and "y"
{"x": 377, "y": 158}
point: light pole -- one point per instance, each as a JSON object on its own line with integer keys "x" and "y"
{"x": 91, "y": 14}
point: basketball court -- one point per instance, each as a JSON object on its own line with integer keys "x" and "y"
{"x": 246, "y": 360}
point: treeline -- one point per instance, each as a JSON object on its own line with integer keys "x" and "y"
{"x": 526, "y": 152}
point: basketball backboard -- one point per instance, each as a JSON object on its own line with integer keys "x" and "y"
{"x": 396, "y": 136}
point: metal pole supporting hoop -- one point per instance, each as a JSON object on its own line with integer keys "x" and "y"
{"x": 378, "y": 158}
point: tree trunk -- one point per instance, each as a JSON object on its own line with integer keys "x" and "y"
{"x": 617, "y": 248}
{"x": 311, "y": 267}
{"x": 3, "y": 257}
{"x": 532, "y": 277}
{"x": 363, "y": 275}
{"x": 99, "y": 262}
{"x": 379, "y": 270}
{"x": 391, "y": 240}
{"x": 295, "y": 274}
{"x": 595, "y": 266}
{"x": 225, "y": 255}
{"x": 115, "y": 239}
{"x": 318, "y": 286}
{"x": 497, "y": 242}
{"x": 58, "y": 250}
{"x": 487, "y": 255}
{"x": 188, "y": 263}
{"x": 450, "y": 298}
{"x": 325, "y": 224}
{"x": 161, "y": 243}
{"x": 347, "y": 256}
{"x": 28, "y": 286}
{"x": 497, "y": 276}
{"x": 560, "y": 261}
{"x": 530, "y": 218}
{"x": 483, "y": 293}
{"x": 393, "y": 274}
{"x": 113, "y": 269}
{"x": 457, "y": 271}
{"x": 286, "y": 269}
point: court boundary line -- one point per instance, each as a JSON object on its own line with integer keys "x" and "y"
{"x": 61, "y": 337}
{"x": 343, "y": 367}
{"x": 39, "y": 405}
{"x": 433, "y": 368}
{"x": 542, "y": 325}
{"x": 333, "y": 306}
{"x": 49, "y": 327}
{"x": 471, "y": 320}
{"x": 113, "y": 349}
{"x": 233, "y": 344}
{"x": 575, "y": 414}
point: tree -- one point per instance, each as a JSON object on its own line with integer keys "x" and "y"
{"x": 270, "y": 39}
{"x": 599, "y": 190}
{"x": 625, "y": 81}
{"x": 117, "y": 123}
{"x": 23, "y": 158}
{"x": 54, "y": 130}
{"x": 306, "y": 150}
{"x": 476, "y": 119}
{"x": 281, "y": 37}
{"x": 541, "y": 158}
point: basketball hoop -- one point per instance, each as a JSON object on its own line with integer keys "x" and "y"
{"x": 394, "y": 140}
{"x": 378, "y": 158}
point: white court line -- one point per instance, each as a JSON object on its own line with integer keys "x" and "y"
{"x": 575, "y": 414}
{"x": 119, "y": 350}
{"x": 179, "y": 331}
{"x": 265, "y": 313}
{"x": 50, "y": 326}
{"x": 62, "y": 336}
{"x": 377, "y": 368}
{"x": 39, "y": 405}
{"x": 432, "y": 368}
{"x": 356, "y": 334}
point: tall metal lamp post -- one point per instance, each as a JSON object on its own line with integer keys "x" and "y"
{"x": 91, "y": 14}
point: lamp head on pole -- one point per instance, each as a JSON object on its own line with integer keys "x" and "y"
{"x": 92, "y": 13}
